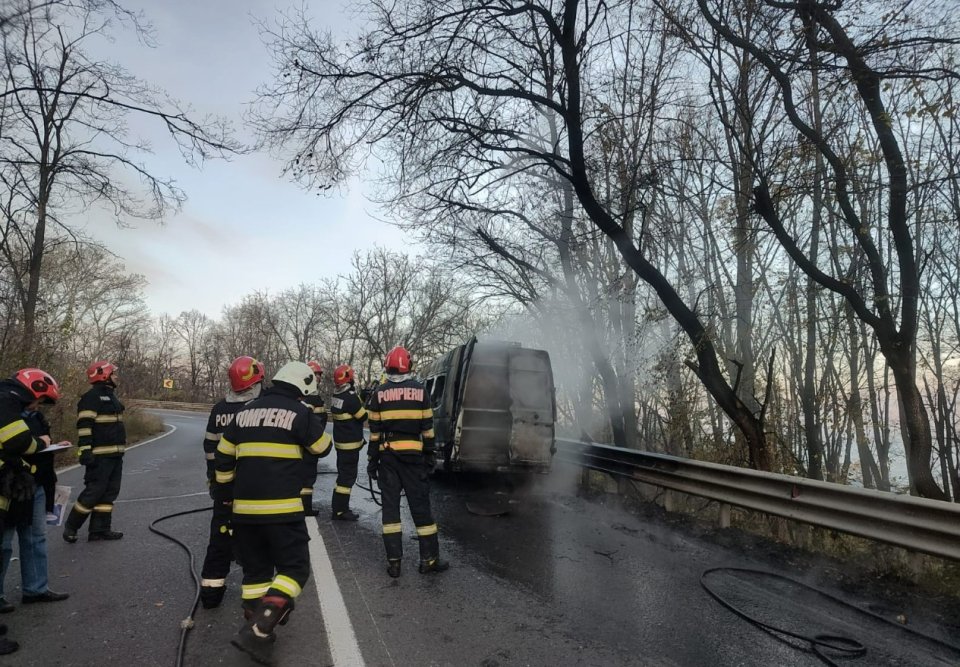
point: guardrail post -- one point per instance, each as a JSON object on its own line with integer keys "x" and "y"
{"x": 668, "y": 500}
{"x": 724, "y": 515}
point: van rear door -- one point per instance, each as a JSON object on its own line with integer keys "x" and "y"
{"x": 531, "y": 408}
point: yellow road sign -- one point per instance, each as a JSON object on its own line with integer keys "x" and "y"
{"x": 168, "y": 383}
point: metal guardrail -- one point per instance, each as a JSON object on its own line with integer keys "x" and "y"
{"x": 171, "y": 405}
{"x": 919, "y": 524}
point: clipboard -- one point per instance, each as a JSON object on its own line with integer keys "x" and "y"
{"x": 54, "y": 448}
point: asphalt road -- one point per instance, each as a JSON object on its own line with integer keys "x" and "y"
{"x": 559, "y": 580}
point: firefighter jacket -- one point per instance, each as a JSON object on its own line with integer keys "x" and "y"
{"x": 15, "y": 436}
{"x": 348, "y": 415}
{"x": 100, "y": 426}
{"x": 401, "y": 419}
{"x": 319, "y": 409}
{"x": 259, "y": 461}
{"x": 221, "y": 416}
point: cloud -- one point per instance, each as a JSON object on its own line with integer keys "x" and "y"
{"x": 243, "y": 227}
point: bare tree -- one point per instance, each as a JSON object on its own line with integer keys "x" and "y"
{"x": 194, "y": 329}
{"x": 861, "y": 63}
{"x": 457, "y": 96}
{"x": 65, "y": 144}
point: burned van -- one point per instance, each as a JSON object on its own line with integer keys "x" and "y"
{"x": 493, "y": 407}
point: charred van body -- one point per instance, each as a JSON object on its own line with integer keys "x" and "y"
{"x": 493, "y": 407}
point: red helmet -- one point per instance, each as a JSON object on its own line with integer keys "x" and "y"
{"x": 101, "y": 371}
{"x": 342, "y": 374}
{"x": 317, "y": 368}
{"x": 244, "y": 372}
{"x": 39, "y": 383}
{"x": 397, "y": 361}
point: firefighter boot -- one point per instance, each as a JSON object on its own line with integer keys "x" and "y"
{"x": 255, "y": 644}
{"x": 212, "y": 596}
{"x": 393, "y": 568}
{"x": 256, "y": 638}
{"x": 8, "y": 646}
{"x": 249, "y": 608}
{"x": 73, "y": 523}
{"x": 105, "y": 535}
{"x": 430, "y": 555}
{"x": 346, "y": 515}
{"x": 100, "y": 527}
{"x": 433, "y": 565}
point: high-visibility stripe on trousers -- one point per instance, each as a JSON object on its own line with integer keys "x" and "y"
{"x": 347, "y": 464}
{"x": 275, "y": 558}
{"x": 397, "y": 475}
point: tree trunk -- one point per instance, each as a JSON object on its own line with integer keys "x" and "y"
{"x": 918, "y": 441}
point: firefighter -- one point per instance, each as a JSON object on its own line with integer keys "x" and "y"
{"x": 102, "y": 438}
{"x": 310, "y": 460}
{"x": 402, "y": 456}
{"x": 246, "y": 381}
{"x": 348, "y": 416}
{"x": 24, "y": 391}
{"x": 259, "y": 468}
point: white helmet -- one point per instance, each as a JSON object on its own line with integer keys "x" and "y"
{"x": 299, "y": 376}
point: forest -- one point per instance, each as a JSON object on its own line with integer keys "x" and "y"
{"x": 735, "y": 226}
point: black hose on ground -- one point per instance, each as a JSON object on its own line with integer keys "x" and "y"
{"x": 374, "y": 493}
{"x": 839, "y": 644}
{"x": 186, "y": 624}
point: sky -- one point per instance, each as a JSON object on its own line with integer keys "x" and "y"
{"x": 244, "y": 226}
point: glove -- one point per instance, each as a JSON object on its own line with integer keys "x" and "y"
{"x": 86, "y": 457}
{"x": 372, "y": 467}
{"x": 430, "y": 460}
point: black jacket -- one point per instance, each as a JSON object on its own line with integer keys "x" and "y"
{"x": 15, "y": 436}
{"x": 100, "y": 421}
{"x": 259, "y": 461}
{"x": 348, "y": 415}
{"x": 401, "y": 419}
{"x": 221, "y": 416}
{"x": 16, "y": 440}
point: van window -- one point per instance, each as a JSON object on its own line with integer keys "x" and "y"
{"x": 436, "y": 392}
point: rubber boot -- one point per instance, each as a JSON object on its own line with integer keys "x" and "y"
{"x": 285, "y": 617}
{"x": 430, "y": 555}
{"x": 346, "y": 515}
{"x": 256, "y": 645}
{"x": 212, "y": 596}
{"x": 393, "y": 568}
{"x": 105, "y": 535}
{"x": 74, "y": 522}
{"x": 433, "y": 565}
{"x": 249, "y": 608}
{"x": 100, "y": 528}
{"x": 256, "y": 638}
{"x": 8, "y": 646}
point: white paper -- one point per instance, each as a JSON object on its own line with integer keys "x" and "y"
{"x": 61, "y": 501}
{"x": 54, "y": 448}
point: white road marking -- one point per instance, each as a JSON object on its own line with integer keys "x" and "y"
{"x": 143, "y": 442}
{"x": 344, "y": 648}
{"x": 182, "y": 495}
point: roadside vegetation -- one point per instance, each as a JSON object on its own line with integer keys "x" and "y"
{"x": 733, "y": 225}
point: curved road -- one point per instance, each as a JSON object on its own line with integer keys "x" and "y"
{"x": 559, "y": 580}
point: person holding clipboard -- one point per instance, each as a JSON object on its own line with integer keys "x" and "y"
{"x": 28, "y": 519}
